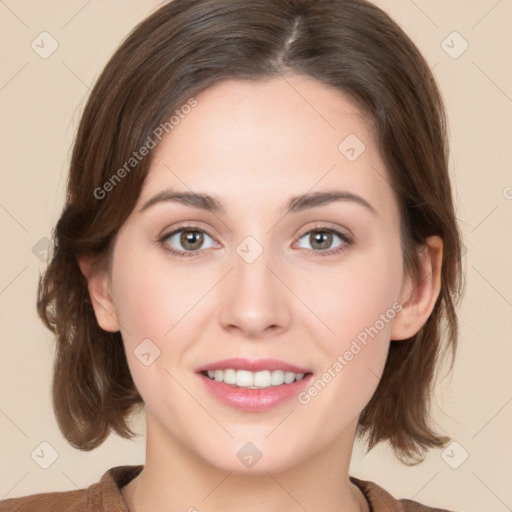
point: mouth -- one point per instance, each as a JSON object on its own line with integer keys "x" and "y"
{"x": 253, "y": 385}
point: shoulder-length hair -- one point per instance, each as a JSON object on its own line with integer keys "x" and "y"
{"x": 180, "y": 50}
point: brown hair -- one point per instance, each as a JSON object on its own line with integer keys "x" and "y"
{"x": 179, "y": 51}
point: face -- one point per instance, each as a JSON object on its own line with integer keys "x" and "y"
{"x": 278, "y": 270}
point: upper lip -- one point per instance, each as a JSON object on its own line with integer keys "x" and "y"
{"x": 252, "y": 365}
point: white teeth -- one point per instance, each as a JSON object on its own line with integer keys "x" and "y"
{"x": 289, "y": 377}
{"x": 277, "y": 378}
{"x": 230, "y": 376}
{"x": 244, "y": 378}
{"x": 254, "y": 380}
{"x": 262, "y": 379}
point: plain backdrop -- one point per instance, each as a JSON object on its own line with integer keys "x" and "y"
{"x": 467, "y": 44}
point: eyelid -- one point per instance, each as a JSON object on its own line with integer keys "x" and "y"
{"x": 190, "y": 226}
{"x": 184, "y": 227}
{"x": 319, "y": 225}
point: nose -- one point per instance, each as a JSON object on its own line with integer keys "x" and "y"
{"x": 255, "y": 301}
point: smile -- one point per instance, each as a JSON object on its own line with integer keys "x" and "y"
{"x": 253, "y": 380}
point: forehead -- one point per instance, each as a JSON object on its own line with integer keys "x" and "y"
{"x": 248, "y": 141}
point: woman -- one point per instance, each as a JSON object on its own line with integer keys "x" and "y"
{"x": 259, "y": 246}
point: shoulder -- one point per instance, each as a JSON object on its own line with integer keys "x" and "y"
{"x": 382, "y": 501}
{"x": 72, "y": 501}
{"x": 104, "y": 495}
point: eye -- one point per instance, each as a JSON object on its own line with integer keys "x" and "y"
{"x": 321, "y": 238}
{"x": 188, "y": 239}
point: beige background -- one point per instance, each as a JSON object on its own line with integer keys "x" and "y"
{"x": 40, "y": 104}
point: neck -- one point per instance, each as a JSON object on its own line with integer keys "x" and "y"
{"x": 174, "y": 478}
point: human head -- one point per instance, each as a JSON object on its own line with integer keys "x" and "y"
{"x": 183, "y": 49}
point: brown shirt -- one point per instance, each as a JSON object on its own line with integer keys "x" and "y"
{"x": 105, "y": 496}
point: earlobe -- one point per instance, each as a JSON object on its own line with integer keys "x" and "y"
{"x": 100, "y": 294}
{"x": 419, "y": 295}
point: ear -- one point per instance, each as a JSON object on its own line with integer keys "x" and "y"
{"x": 419, "y": 295}
{"x": 99, "y": 291}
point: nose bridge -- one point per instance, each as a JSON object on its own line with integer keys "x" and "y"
{"x": 256, "y": 299}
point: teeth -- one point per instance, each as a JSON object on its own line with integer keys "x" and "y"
{"x": 229, "y": 377}
{"x": 254, "y": 380}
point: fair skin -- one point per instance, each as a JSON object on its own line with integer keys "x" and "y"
{"x": 254, "y": 146}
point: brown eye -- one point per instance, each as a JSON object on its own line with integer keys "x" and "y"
{"x": 320, "y": 240}
{"x": 191, "y": 240}
{"x": 187, "y": 241}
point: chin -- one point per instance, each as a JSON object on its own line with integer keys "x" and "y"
{"x": 256, "y": 457}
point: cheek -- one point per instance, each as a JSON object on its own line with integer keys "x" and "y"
{"x": 154, "y": 303}
{"x": 355, "y": 356}
{"x": 358, "y": 295}
{"x": 150, "y": 296}
{"x": 139, "y": 306}
{"x": 359, "y": 304}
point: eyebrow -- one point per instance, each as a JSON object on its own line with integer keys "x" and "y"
{"x": 295, "y": 204}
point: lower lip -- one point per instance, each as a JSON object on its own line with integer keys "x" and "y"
{"x": 254, "y": 400}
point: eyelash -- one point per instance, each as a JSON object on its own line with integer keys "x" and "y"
{"x": 348, "y": 242}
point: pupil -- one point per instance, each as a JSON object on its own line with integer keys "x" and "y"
{"x": 326, "y": 237}
{"x": 193, "y": 238}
